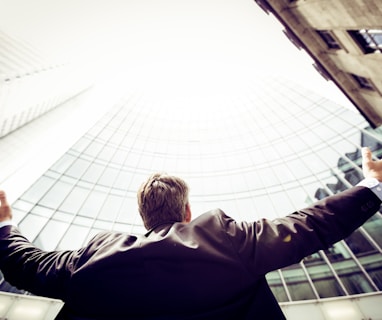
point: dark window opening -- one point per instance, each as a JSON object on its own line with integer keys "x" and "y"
{"x": 328, "y": 38}
{"x": 364, "y": 83}
{"x": 370, "y": 41}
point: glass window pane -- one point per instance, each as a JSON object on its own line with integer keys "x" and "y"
{"x": 74, "y": 238}
{"x": 337, "y": 252}
{"x": 283, "y": 173}
{"x": 18, "y": 215}
{"x": 108, "y": 177}
{"x": 253, "y": 180}
{"x": 373, "y": 265}
{"x": 358, "y": 243}
{"x": 93, "y": 172}
{"x": 314, "y": 163}
{"x": 110, "y": 208}
{"x": 81, "y": 144}
{"x": 74, "y": 200}
{"x": 351, "y": 276}
{"x": 117, "y": 138}
{"x": 373, "y": 226}
{"x": 103, "y": 225}
{"x": 54, "y": 197}
{"x": 94, "y": 148}
{"x": 128, "y": 214}
{"x": 93, "y": 204}
{"x": 245, "y": 210}
{"x": 120, "y": 156}
{"x": 63, "y": 163}
{"x": 323, "y": 280}
{"x": 298, "y": 168}
{"x": 376, "y": 35}
{"x": 31, "y": 225}
{"x": 106, "y": 153}
{"x": 276, "y": 285}
{"x": 297, "y": 144}
{"x": 264, "y": 204}
{"x": 268, "y": 177}
{"x": 63, "y": 216}
{"x": 122, "y": 180}
{"x": 298, "y": 197}
{"x": 282, "y": 204}
{"x": 43, "y": 211}
{"x": 297, "y": 283}
{"x": 35, "y": 193}
{"x": 51, "y": 235}
{"x": 78, "y": 168}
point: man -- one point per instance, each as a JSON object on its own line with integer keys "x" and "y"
{"x": 208, "y": 268}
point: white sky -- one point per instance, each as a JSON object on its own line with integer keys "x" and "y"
{"x": 184, "y": 43}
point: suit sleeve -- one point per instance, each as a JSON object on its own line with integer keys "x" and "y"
{"x": 44, "y": 273}
{"x": 29, "y": 268}
{"x": 268, "y": 245}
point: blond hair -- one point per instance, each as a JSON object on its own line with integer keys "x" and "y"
{"x": 162, "y": 198}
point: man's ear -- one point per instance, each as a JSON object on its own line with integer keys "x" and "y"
{"x": 188, "y": 213}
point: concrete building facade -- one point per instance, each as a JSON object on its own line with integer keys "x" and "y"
{"x": 345, "y": 40}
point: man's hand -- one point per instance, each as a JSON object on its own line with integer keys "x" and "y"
{"x": 5, "y": 209}
{"x": 371, "y": 168}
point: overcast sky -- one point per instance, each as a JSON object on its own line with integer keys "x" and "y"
{"x": 200, "y": 40}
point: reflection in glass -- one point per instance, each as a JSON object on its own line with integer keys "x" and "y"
{"x": 297, "y": 283}
{"x": 348, "y": 271}
{"x": 276, "y": 285}
{"x": 358, "y": 244}
{"x": 373, "y": 265}
{"x": 324, "y": 282}
{"x": 352, "y": 277}
{"x": 373, "y": 227}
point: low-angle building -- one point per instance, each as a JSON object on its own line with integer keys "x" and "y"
{"x": 74, "y": 152}
{"x": 345, "y": 40}
{"x": 32, "y": 84}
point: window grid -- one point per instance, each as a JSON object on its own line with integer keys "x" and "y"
{"x": 134, "y": 139}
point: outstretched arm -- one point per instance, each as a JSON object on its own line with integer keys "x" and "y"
{"x": 284, "y": 241}
{"x": 27, "y": 267}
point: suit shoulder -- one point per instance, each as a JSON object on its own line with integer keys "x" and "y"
{"x": 215, "y": 216}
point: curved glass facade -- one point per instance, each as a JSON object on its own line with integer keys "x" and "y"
{"x": 265, "y": 151}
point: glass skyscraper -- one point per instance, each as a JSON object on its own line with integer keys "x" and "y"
{"x": 266, "y": 150}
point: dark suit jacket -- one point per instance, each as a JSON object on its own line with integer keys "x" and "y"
{"x": 211, "y": 268}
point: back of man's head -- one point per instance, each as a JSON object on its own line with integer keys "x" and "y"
{"x": 162, "y": 198}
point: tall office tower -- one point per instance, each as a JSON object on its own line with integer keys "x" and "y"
{"x": 263, "y": 150}
{"x": 34, "y": 82}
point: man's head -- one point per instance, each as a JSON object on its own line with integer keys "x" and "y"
{"x": 163, "y": 198}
